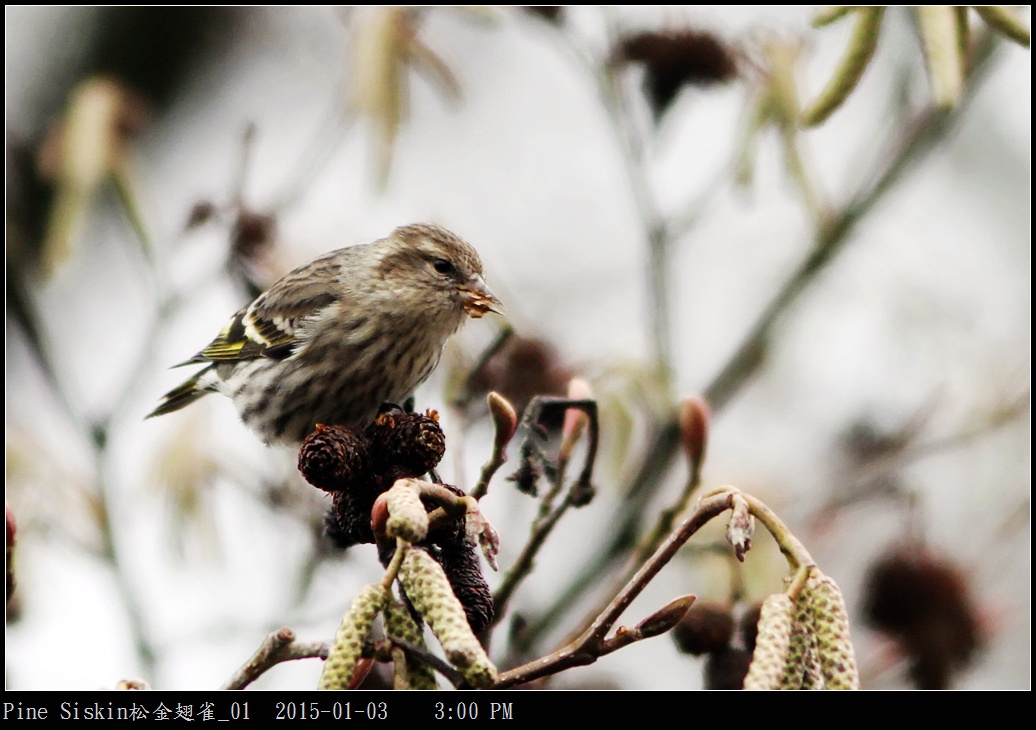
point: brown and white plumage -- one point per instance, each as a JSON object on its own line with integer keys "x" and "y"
{"x": 339, "y": 336}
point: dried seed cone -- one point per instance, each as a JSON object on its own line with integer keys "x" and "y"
{"x": 408, "y": 518}
{"x": 706, "y": 627}
{"x": 399, "y": 624}
{"x": 378, "y": 430}
{"x": 674, "y": 59}
{"x": 726, "y": 669}
{"x": 429, "y": 591}
{"x": 352, "y": 632}
{"x": 924, "y": 603}
{"x": 772, "y": 643}
{"x": 459, "y": 560}
{"x": 412, "y": 442}
{"x": 831, "y": 625}
{"x": 332, "y": 458}
{"x": 348, "y": 522}
{"x": 748, "y": 626}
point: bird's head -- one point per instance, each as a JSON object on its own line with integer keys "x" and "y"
{"x": 438, "y": 268}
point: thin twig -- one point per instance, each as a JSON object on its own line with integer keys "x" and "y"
{"x": 624, "y": 534}
{"x": 320, "y": 150}
{"x": 668, "y": 517}
{"x": 587, "y": 648}
{"x": 918, "y": 137}
{"x": 419, "y": 653}
{"x": 496, "y": 460}
{"x": 663, "y": 526}
{"x": 467, "y": 389}
{"x": 548, "y": 515}
{"x": 524, "y": 563}
{"x": 656, "y": 231}
{"x": 392, "y": 569}
{"x": 913, "y": 449}
{"x": 592, "y": 643}
{"x": 539, "y": 530}
{"x": 968, "y": 434}
{"x": 459, "y": 406}
{"x": 279, "y": 646}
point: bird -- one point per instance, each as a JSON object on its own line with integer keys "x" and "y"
{"x": 336, "y": 338}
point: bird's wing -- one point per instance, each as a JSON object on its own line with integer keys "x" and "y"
{"x": 269, "y": 326}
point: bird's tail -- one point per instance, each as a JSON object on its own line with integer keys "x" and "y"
{"x": 183, "y": 395}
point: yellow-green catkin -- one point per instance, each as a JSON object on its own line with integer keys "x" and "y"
{"x": 940, "y": 33}
{"x": 831, "y": 626}
{"x": 408, "y": 518}
{"x": 831, "y": 13}
{"x": 803, "y": 668}
{"x": 410, "y": 673}
{"x": 772, "y": 643}
{"x": 429, "y": 591}
{"x": 1005, "y": 21}
{"x": 857, "y": 56}
{"x": 347, "y": 648}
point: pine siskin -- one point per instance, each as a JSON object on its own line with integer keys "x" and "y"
{"x": 337, "y": 337}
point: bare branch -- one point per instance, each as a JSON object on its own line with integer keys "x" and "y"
{"x": 279, "y": 646}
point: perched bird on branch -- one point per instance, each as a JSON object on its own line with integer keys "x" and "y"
{"x": 337, "y": 337}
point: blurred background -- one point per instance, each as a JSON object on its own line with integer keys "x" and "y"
{"x": 851, "y": 298}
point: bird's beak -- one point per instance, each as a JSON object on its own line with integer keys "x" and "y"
{"x": 478, "y": 299}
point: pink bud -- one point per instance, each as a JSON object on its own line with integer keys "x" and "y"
{"x": 575, "y": 419}
{"x": 379, "y": 514}
{"x": 694, "y": 415}
{"x": 505, "y": 419}
{"x": 666, "y": 617}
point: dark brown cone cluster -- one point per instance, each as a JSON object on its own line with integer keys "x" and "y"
{"x": 677, "y": 58}
{"x": 749, "y": 625}
{"x": 252, "y": 239}
{"x": 547, "y": 12}
{"x": 923, "y": 601}
{"x": 409, "y": 443}
{"x": 727, "y": 668}
{"x": 252, "y": 235}
{"x": 705, "y": 628}
{"x": 357, "y": 465}
{"x": 710, "y": 628}
{"x": 459, "y": 559}
{"x": 523, "y": 368}
{"x": 335, "y": 458}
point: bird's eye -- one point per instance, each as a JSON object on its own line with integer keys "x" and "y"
{"x": 443, "y": 266}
